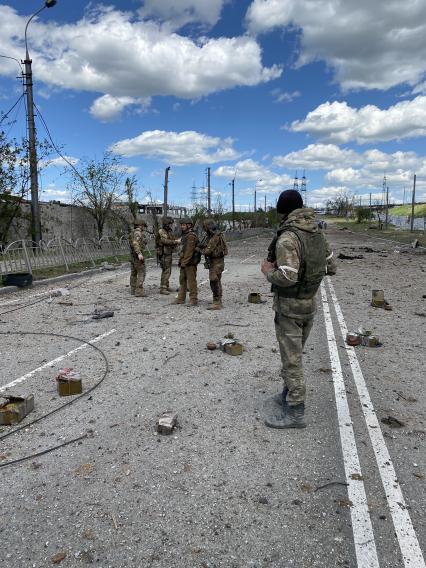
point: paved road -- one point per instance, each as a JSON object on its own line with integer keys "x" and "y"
{"x": 223, "y": 490}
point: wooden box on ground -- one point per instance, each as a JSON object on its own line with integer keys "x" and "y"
{"x": 13, "y": 409}
{"x": 68, "y": 383}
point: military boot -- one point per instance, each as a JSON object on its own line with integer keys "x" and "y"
{"x": 215, "y": 305}
{"x": 281, "y": 398}
{"x": 139, "y": 293}
{"x": 289, "y": 417}
{"x": 193, "y": 302}
{"x": 132, "y": 291}
{"x": 164, "y": 291}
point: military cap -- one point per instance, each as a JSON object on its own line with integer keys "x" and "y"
{"x": 167, "y": 221}
{"x": 186, "y": 221}
{"x": 288, "y": 201}
{"x": 139, "y": 222}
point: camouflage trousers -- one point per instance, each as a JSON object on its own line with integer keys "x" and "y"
{"x": 292, "y": 335}
{"x": 188, "y": 282}
{"x": 217, "y": 266}
{"x": 137, "y": 276}
{"x": 166, "y": 270}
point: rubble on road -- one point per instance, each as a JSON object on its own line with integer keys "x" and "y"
{"x": 166, "y": 423}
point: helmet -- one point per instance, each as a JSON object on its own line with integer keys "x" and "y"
{"x": 167, "y": 221}
{"x": 139, "y": 222}
{"x": 209, "y": 225}
{"x": 288, "y": 201}
{"x": 186, "y": 221}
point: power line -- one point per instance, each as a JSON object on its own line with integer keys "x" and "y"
{"x": 10, "y": 110}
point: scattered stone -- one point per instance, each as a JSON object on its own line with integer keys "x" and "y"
{"x": 58, "y": 557}
{"x": 392, "y": 422}
{"x": 101, "y": 314}
{"x": 166, "y": 423}
{"x": 211, "y": 345}
{"x": 263, "y": 500}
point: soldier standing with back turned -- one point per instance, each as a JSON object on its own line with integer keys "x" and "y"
{"x": 299, "y": 258}
{"x": 137, "y": 242}
{"x": 214, "y": 250}
{"x": 167, "y": 243}
{"x": 188, "y": 261}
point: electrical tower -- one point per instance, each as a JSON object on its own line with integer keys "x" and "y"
{"x": 194, "y": 194}
{"x": 296, "y": 182}
{"x": 303, "y": 189}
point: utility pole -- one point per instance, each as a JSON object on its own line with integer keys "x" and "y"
{"x": 32, "y": 152}
{"x": 387, "y": 207}
{"x": 413, "y": 202}
{"x": 32, "y": 139}
{"x": 166, "y": 189}
{"x": 233, "y": 203}
{"x": 209, "y": 205}
{"x": 255, "y": 210}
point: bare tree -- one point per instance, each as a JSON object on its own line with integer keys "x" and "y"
{"x": 14, "y": 181}
{"x": 97, "y": 186}
{"x": 342, "y": 205}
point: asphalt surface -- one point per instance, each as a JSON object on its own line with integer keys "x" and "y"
{"x": 222, "y": 490}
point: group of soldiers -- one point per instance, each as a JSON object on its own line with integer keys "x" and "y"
{"x": 213, "y": 247}
{"x": 298, "y": 259}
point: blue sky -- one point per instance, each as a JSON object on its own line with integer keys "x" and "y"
{"x": 255, "y": 89}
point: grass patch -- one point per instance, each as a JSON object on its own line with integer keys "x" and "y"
{"x": 405, "y": 210}
{"x": 372, "y": 228}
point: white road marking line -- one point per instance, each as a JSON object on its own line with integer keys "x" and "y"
{"x": 407, "y": 539}
{"x": 248, "y": 258}
{"x": 205, "y": 281}
{"x": 365, "y": 546}
{"x": 54, "y": 361}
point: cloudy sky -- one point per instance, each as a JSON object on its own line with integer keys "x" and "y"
{"x": 257, "y": 90}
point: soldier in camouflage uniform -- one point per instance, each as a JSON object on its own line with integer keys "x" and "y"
{"x": 137, "y": 241}
{"x": 299, "y": 259}
{"x": 188, "y": 261}
{"x": 166, "y": 244}
{"x": 214, "y": 250}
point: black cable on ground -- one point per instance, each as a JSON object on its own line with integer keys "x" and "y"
{"x": 34, "y": 456}
{"x": 75, "y": 399}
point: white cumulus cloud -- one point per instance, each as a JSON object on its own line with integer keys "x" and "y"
{"x": 317, "y": 156}
{"x": 117, "y": 54}
{"x": 264, "y": 179}
{"x": 107, "y": 107}
{"x": 368, "y": 44}
{"x": 180, "y": 12}
{"x": 178, "y": 148}
{"x": 339, "y": 123}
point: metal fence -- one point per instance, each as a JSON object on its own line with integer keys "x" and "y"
{"x": 25, "y": 256}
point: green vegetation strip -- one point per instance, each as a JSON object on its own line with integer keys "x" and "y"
{"x": 371, "y": 228}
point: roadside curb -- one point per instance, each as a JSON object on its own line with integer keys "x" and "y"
{"x": 71, "y": 276}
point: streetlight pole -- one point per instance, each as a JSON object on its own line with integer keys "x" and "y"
{"x": 32, "y": 139}
{"x": 166, "y": 190}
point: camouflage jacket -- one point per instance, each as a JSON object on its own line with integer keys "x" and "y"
{"x": 137, "y": 241}
{"x": 215, "y": 247}
{"x": 188, "y": 252}
{"x": 289, "y": 261}
{"x": 166, "y": 241}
